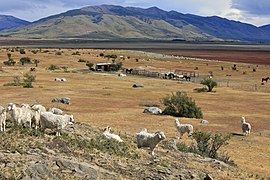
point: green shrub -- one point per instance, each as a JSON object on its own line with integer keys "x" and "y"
{"x": 208, "y": 145}
{"x": 76, "y": 53}
{"x": 58, "y": 53}
{"x": 9, "y": 62}
{"x": 28, "y": 80}
{"x": 101, "y": 54}
{"x": 180, "y": 105}
{"x": 22, "y": 51}
{"x": 34, "y": 51}
{"x": 210, "y": 83}
{"x": 53, "y": 67}
{"x": 234, "y": 68}
{"x": 199, "y": 90}
{"x": 116, "y": 66}
{"x": 82, "y": 60}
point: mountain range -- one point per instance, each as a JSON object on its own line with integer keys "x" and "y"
{"x": 109, "y": 22}
{"x": 7, "y": 22}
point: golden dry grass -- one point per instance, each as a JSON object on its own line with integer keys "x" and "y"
{"x": 101, "y": 99}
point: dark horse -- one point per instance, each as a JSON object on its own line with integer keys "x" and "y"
{"x": 128, "y": 71}
{"x": 186, "y": 77}
{"x": 265, "y": 79}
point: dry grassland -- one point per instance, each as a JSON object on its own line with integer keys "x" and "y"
{"x": 102, "y": 99}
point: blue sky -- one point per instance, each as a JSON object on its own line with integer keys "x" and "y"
{"x": 255, "y": 12}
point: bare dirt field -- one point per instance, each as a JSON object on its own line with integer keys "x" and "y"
{"x": 102, "y": 99}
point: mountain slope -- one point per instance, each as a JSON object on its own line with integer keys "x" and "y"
{"x": 116, "y": 22}
{"x": 7, "y": 22}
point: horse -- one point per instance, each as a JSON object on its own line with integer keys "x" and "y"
{"x": 265, "y": 79}
{"x": 186, "y": 77}
{"x": 128, "y": 71}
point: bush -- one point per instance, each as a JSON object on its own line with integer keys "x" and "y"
{"x": 180, "y": 105}
{"x": 210, "y": 83}
{"x": 76, "y": 53}
{"x": 101, "y": 54}
{"x": 116, "y": 66}
{"x": 82, "y": 60}
{"x": 22, "y": 51}
{"x": 28, "y": 80}
{"x": 53, "y": 67}
{"x": 34, "y": 51}
{"x": 58, "y": 53}
{"x": 207, "y": 144}
{"x": 9, "y": 62}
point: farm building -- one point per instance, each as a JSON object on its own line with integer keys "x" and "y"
{"x": 103, "y": 66}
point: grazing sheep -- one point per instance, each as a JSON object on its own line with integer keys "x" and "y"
{"x": 145, "y": 139}
{"x": 246, "y": 127}
{"x": 20, "y": 115}
{"x": 3, "y": 117}
{"x": 54, "y": 121}
{"x": 56, "y": 111}
{"x": 107, "y": 133}
{"x": 183, "y": 128}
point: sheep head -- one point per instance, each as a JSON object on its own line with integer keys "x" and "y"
{"x": 11, "y": 106}
{"x": 161, "y": 135}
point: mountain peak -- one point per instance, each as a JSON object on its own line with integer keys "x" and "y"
{"x": 8, "y": 21}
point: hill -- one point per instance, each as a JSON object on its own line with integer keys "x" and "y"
{"x": 7, "y": 22}
{"x": 116, "y": 22}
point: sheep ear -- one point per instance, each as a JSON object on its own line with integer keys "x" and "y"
{"x": 159, "y": 136}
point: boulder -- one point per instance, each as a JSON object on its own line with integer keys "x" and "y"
{"x": 64, "y": 100}
{"x": 152, "y": 110}
{"x": 137, "y": 86}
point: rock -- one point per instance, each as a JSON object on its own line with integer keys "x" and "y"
{"x": 137, "y": 86}
{"x": 152, "y": 110}
{"x": 204, "y": 122}
{"x": 208, "y": 177}
{"x": 64, "y": 100}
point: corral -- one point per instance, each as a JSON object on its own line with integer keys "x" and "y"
{"x": 103, "y": 99}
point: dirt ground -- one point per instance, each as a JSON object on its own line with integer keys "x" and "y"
{"x": 102, "y": 99}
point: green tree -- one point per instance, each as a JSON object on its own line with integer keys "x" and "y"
{"x": 180, "y": 105}
{"x": 25, "y": 60}
{"x": 210, "y": 83}
{"x": 90, "y": 65}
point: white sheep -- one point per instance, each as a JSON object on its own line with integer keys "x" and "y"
{"x": 151, "y": 140}
{"x": 246, "y": 127}
{"x": 107, "y": 133}
{"x": 54, "y": 121}
{"x": 183, "y": 128}
{"x": 36, "y": 110}
{"x": 3, "y": 117}
{"x": 56, "y": 111}
{"x": 20, "y": 115}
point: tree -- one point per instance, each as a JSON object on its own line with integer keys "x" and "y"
{"x": 116, "y": 66}
{"x": 210, "y": 83}
{"x": 90, "y": 65}
{"x": 180, "y": 105}
{"x": 36, "y": 62}
{"x": 25, "y": 60}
